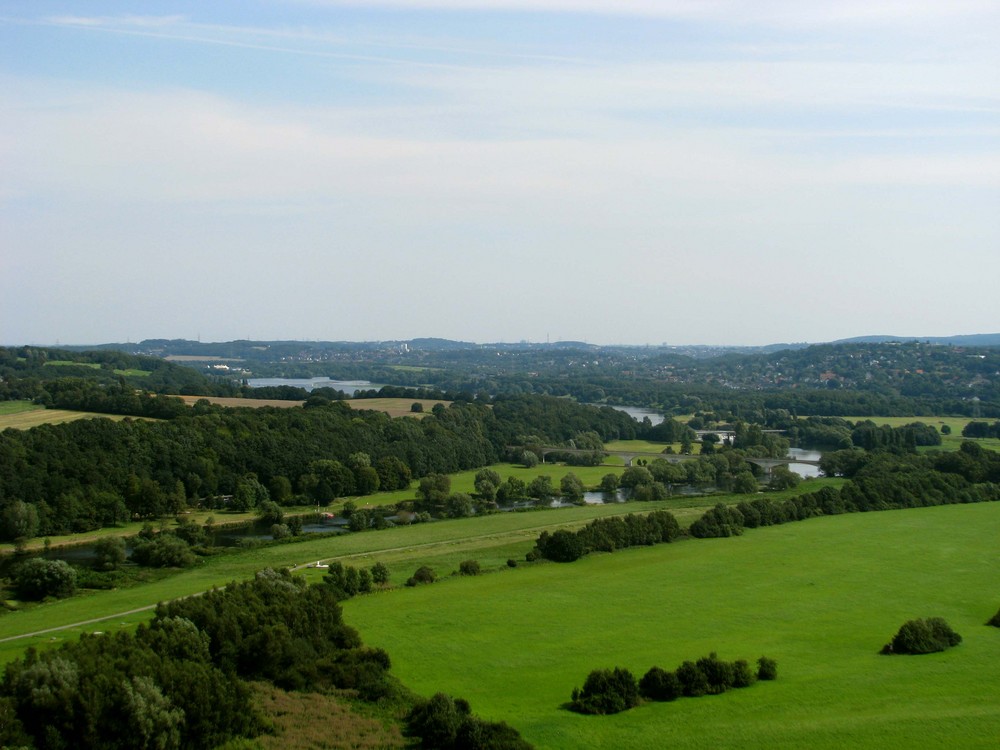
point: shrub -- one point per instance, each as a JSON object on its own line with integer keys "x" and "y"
{"x": 423, "y": 574}
{"x": 922, "y": 637}
{"x": 694, "y": 683}
{"x": 109, "y": 553}
{"x": 38, "y": 578}
{"x": 743, "y": 676}
{"x": 380, "y": 573}
{"x": 995, "y": 620}
{"x": 660, "y": 685}
{"x": 606, "y": 692}
{"x": 511, "y": 563}
{"x": 446, "y": 723}
{"x": 767, "y": 669}
{"x": 469, "y": 568}
{"x": 718, "y": 673}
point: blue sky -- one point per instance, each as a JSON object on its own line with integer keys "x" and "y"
{"x": 637, "y": 172}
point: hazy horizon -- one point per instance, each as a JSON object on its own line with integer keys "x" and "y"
{"x": 641, "y": 172}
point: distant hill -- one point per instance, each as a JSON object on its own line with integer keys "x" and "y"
{"x": 973, "y": 339}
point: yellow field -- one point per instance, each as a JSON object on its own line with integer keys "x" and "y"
{"x": 394, "y": 407}
{"x": 27, "y": 419}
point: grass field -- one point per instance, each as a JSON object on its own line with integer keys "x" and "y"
{"x": 95, "y": 366}
{"x": 23, "y": 415}
{"x": 821, "y": 597}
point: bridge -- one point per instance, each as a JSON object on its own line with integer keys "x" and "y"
{"x": 767, "y": 464}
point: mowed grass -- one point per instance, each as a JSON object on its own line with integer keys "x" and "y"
{"x": 821, "y": 597}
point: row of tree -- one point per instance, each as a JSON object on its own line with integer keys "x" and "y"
{"x": 607, "y": 535}
{"x": 611, "y": 691}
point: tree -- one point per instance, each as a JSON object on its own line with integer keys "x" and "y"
{"x": 20, "y": 521}
{"x": 694, "y": 683}
{"x": 270, "y": 512}
{"x": 512, "y": 489}
{"x": 560, "y": 546}
{"x": 529, "y": 459}
{"x": 458, "y": 505}
{"x": 767, "y": 669}
{"x": 109, "y": 553}
{"x": 745, "y": 483}
{"x": 541, "y": 487}
{"x": 606, "y": 691}
{"x": 609, "y": 484}
{"x": 659, "y": 685}
{"x": 487, "y": 481}
{"x": 571, "y": 488}
{"x": 280, "y": 489}
{"x": 38, "y": 578}
{"x": 434, "y": 488}
{"x": 380, "y": 573}
{"x": 922, "y": 637}
{"x": 635, "y": 476}
{"x": 423, "y": 574}
{"x": 469, "y": 568}
{"x": 416, "y": 407}
{"x": 249, "y": 494}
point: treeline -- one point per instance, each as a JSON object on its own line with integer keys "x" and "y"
{"x": 981, "y": 430}
{"x": 879, "y": 481}
{"x": 34, "y": 373}
{"x": 611, "y": 691}
{"x": 607, "y": 535}
{"x": 79, "y": 476}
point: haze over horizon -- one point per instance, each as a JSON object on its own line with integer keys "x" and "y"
{"x": 634, "y": 172}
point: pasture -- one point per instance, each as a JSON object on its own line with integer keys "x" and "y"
{"x": 821, "y": 597}
{"x": 23, "y": 415}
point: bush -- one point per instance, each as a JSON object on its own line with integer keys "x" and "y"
{"x": 694, "y": 683}
{"x": 743, "y": 676}
{"x": 922, "y": 637}
{"x": 109, "y": 553}
{"x": 380, "y": 573}
{"x": 446, "y": 723}
{"x": 995, "y": 620}
{"x": 767, "y": 669}
{"x": 423, "y": 574}
{"x": 718, "y": 673}
{"x": 606, "y": 692}
{"x": 469, "y": 568}
{"x": 38, "y": 578}
{"x": 162, "y": 551}
{"x": 660, "y": 685}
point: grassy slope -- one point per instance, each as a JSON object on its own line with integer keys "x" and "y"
{"x": 821, "y": 597}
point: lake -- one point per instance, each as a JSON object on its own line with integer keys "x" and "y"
{"x": 350, "y": 387}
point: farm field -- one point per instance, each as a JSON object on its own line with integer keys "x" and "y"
{"x": 821, "y": 597}
{"x": 394, "y": 407}
{"x": 25, "y": 415}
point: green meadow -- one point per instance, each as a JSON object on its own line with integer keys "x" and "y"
{"x": 821, "y": 597}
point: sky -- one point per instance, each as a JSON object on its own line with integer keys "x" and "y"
{"x": 608, "y": 171}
